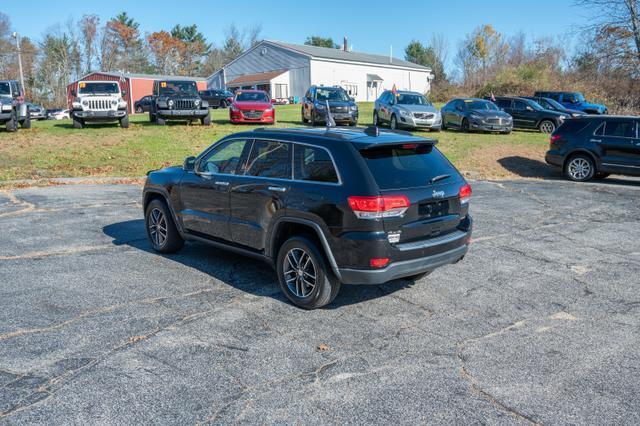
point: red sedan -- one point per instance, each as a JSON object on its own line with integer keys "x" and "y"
{"x": 252, "y": 106}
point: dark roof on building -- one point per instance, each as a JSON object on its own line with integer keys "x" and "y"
{"x": 256, "y": 78}
{"x": 145, "y": 76}
{"x": 341, "y": 55}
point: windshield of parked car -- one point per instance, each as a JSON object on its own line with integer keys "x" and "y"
{"x": 551, "y": 103}
{"x": 535, "y": 105}
{"x": 477, "y": 105}
{"x": 252, "y": 97}
{"x": 579, "y": 97}
{"x": 168, "y": 88}
{"x": 411, "y": 99}
{"x": 331, "y": 95}
{"x": 89, "y": 88}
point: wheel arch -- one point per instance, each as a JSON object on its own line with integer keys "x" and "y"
{"x": 586, "y": 152}
{"x": 286, "y": 227}
{"x": 156, "y": 194}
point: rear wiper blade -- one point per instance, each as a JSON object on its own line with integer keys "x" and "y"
{"x": 439, "y": 177}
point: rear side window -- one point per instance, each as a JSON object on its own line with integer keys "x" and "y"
{"x": 573, "y": 126}
{"x": 313, "y": 164}
{"x": 621, "y": 129}
{"x": 269, "y": 159}
{"x": 503, "y": 103}
{"x": 406, "y": 165}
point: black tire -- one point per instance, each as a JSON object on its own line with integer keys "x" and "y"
{"x": 223, "y": 104}
{"x": 160, "y": 121}
{"x": 152, "y": 117}
{"x": 353, "y": 123}
{"x": 139, "y": 110}
{"x": 506, "y": 133}
{"x": 444, "y": 126}
{"x": 156, "y": 215}
{"x": 326, "y": 286}
{"x": 304, "y": 120}
{"x": 206, "y": 120}
{"x": 393, "y": 123}
{"x": 580, "y": 168}
{"x": 77, "y": 123}
{"x": 26, "y": 123}
{"x": 124, "y": 122}
{"x": 12, "y": 124}
{"x": 312, "y": 119}
{"x": 547, "y": 126}
{"x": 376, "y": 119}
{"x": 465, "y": 125}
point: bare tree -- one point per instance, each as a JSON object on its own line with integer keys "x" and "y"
{"x": 89, "y": 29}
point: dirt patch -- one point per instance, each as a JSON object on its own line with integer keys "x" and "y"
{"x": 505, "y": 161}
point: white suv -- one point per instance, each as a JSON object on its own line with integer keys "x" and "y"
{"x": 99, "y": 101}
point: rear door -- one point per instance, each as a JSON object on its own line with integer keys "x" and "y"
{"x": 258, "y": 195}
{"x": 429, "y": 181}
{"x": 620, "y": 144}
{"x": 204, "y": 193}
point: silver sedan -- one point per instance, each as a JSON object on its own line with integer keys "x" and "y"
{"x": 404, "y": 109}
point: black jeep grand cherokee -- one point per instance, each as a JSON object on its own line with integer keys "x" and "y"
{"x": 324, "y": 207}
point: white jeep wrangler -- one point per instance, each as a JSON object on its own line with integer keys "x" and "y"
{"x": 99, "y": 101}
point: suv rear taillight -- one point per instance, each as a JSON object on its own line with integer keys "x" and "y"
{"x": 379, "y": 207}
{"x": 553, "y": 139}
{"x": 465, "y": 194}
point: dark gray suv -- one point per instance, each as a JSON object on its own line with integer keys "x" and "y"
{"x": 342, "y": 106}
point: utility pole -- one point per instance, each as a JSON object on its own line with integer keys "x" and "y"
{"x": 16, "y": 36}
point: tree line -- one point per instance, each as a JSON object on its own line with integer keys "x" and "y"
{"x": 604, "y": 63}
{"x": 70, "y": 50}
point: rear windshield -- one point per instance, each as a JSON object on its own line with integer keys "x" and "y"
{"x": 407, "y": 165}
{"x": 572, "y": 126}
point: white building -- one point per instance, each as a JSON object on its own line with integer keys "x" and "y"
{"x": 285, "y": 69}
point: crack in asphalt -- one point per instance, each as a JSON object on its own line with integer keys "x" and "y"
{"x": 475, "y": 388}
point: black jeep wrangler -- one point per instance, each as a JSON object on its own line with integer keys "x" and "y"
{"x": 14, "y": 109}
{"x": 178, "y": 100}
{"x": 323, "y": 207}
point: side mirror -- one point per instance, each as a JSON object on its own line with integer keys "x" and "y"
{"x": 189, "y": 164}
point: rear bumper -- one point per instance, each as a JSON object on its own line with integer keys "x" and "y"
{"x": 402, "y": 269}
{"x": 553, "y": 158}
{"x": 100, "y": 115}
{"x": 178, "y": 114}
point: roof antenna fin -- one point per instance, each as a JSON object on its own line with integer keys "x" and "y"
{"x": 330, "y": 121}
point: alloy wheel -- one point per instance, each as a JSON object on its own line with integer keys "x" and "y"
{"x": 158, "y": 227}
{"x": 547, "y": 127}
{"x": 579, "y": 168}
{"x": 299, "y": 272}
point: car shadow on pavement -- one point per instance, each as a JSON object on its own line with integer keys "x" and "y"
{"x": 534, "y": 169}
{"x": 244, "y": 273}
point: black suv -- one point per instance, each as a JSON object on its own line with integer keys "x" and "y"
{"x": 217, "y": 98}
{"x": 178, "y": 100}
{"x": 528, "y": 114}
{"x": 314, "y": 105}
{"x": 323, "y": 207}
{"x": 13, "y": 108}
{"x": 595, "y": 146}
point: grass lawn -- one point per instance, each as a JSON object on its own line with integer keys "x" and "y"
{"x": 54, "y": 149}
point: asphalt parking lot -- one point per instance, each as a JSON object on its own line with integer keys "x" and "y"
{"x": 539, "y": 324}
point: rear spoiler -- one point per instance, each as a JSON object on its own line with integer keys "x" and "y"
{"x": 416, "y": 142}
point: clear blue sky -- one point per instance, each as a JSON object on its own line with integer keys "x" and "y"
{"x": 372, "y": 26}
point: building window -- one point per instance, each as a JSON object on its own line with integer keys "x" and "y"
{"x": 282, "y": 91}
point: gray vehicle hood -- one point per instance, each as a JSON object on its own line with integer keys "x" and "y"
{"x": 417, "y": 108}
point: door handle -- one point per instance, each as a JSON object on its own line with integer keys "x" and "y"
{"x": 221, "y": 183}
{"x": 277, "y": 188}
{"x": 595, "y": 140}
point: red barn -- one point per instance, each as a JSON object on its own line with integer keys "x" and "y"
{"x": 136, "y": 85}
